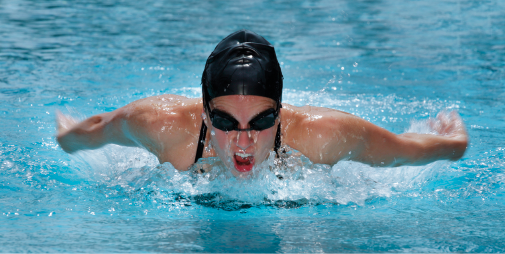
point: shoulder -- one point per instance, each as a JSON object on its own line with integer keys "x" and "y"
{"x": 306, "y": 117}
{"x": 162, "y": 122}
{"x": 166, "y": 104}
{"x": 160, "y": 110}
{"x": 323, "y": 135}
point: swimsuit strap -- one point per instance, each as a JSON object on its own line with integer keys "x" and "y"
{"x": 201, "y": 142}
{"x": 278, "y": 141}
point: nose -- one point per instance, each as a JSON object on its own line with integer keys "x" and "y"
{"x": 244, "y": 140}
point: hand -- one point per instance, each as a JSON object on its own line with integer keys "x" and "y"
{"x": 64, "y": 122}
{"x": 449, "y": 125}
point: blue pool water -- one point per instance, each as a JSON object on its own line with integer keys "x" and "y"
{"x": 394, "y": 63}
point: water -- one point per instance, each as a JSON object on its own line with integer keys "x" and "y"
{"x": 394, "y": 64}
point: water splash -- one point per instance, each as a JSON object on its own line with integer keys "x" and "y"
{"x": 293, "y": 182}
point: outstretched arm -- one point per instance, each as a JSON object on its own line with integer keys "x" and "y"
{"x": 156, "y": 123}
{"x": 93, "y": 132}
{"x": 328, "y": 136}
{"x": 387, "y": 149}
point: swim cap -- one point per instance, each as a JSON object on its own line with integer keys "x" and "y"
{"x": 243, "y": 63}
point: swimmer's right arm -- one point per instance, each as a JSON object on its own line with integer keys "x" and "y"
{"x": 94, "y": 132}
{"x": 157, "y": 123}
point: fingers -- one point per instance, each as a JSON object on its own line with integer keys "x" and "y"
{"x": 440, "y": 123}
{"x": 59, "y": 119}
{"x": 64, "y": 122}
{"x": 448, "y": 123}
{"x": 433, "y": 125}
{"x": 459, "y": 126}
{"x": 456, "y": 119}
{"x": 444, "y": 122}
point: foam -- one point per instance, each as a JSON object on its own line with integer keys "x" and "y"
{"x": 136, "y": 172}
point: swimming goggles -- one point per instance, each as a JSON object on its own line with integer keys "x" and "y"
{"x": 225, "y": 122}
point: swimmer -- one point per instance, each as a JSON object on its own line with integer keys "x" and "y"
{"x": 241, "y": 119}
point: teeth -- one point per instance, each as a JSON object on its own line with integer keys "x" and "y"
{"x": 243, "y": 155}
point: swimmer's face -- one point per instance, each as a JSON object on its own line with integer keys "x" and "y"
{"x": 241, "y": 150}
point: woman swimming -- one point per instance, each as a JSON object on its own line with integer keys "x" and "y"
{"x": 241, "y": 107}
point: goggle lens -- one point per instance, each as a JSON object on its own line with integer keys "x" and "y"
{"x": 264, "y": 122}
{"x": 225, "y": 122}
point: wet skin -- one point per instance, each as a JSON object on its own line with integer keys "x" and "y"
{"x": 241, "y": 150}
{"x": 169, "y": 125}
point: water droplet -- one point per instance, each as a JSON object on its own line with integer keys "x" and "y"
{"x": 342, "y": 68}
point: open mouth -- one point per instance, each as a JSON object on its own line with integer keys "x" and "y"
{"x": 244, "y": 162}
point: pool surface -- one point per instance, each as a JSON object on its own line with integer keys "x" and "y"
{"x": 394, "y": 63}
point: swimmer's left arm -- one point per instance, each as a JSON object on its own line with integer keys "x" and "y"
{"x": 327, "y": 136}
{"x": 383, "y": 148}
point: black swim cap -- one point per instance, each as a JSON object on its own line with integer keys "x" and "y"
{"x": 243, "y": 63}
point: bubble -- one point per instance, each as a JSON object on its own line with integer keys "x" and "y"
{"x": 355, "y": 64}
{"x": 289, "y": 181}
{"x": 209, "y": 147}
